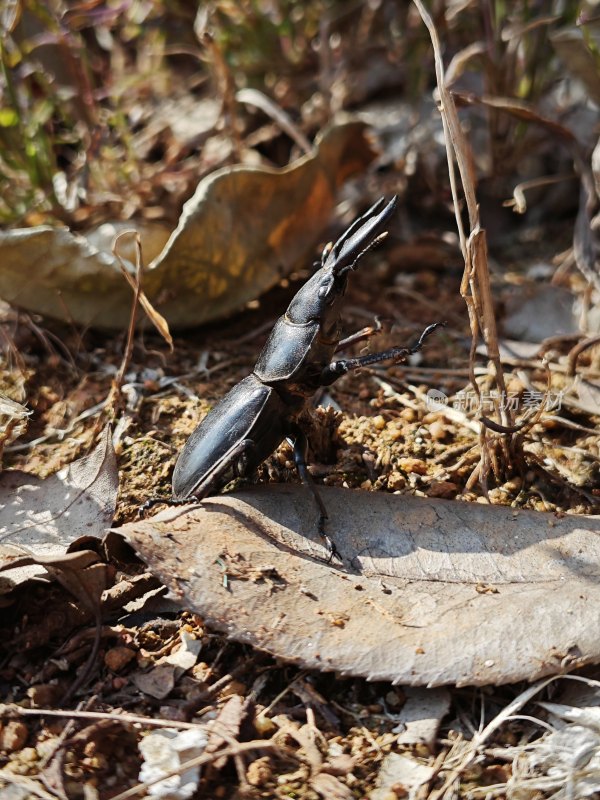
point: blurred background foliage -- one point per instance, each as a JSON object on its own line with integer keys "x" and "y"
{"x": 82, "y": 81}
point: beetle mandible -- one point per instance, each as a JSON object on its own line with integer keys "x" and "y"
{"x": 263, "y": 409}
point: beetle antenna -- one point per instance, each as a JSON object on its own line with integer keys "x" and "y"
{"x": 377, "y": 240}
{"x": 325, "y": 254}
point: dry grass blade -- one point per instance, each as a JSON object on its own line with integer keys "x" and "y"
{"x": 13, "y": 421}
{"x": 159, "y": 322}
{"x": 260, "y": 100}
{"x": 583, "y": 241}
{"x": 520, "y": 110}
{"x": 576, "y": 351}
{"x": 518, "y": 202}
{"x": 480, "y": 739}
{"x": 223, "y": 77}
{"x": 29, "y": 787}
{"x": 11, "y": 710}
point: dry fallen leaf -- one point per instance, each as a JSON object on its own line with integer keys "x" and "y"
{"x": 420, "y": 717}
{"x": 537, "y": 312}
{"x": 408, "y": 591}
{"x": 402, "y": 771}
{"x": 330, "y": 787}
{"x": 241, "y": 232}
{"x": 81, "y": 573}
{"x": 161, "y": 678}
{"x": 42, "y": 518}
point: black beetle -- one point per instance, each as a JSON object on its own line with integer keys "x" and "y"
{"x": 249, "y": 423}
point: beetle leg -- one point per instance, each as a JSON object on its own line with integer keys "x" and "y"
{"x": 241, "y": 464}
{"x": 155, "y": 500}
{"x": 361, "y": 335}
{"x": 336, "y": 369}
{"x": 299, "y": 442}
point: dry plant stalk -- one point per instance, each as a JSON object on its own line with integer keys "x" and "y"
{"x": 475, "y": 285}
{"x": 139, "y": 299}
{"x": 237, "y": 749}
{"x": 224, "y": 80}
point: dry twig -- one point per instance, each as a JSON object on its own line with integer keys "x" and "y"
{"x": 206, "y": 758}
{"x": 475, "y": 286}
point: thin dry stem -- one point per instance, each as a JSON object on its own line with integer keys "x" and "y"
{"x": 226, "y": 86}
{"x": 134, "y": 308}
{"x": 136, "y": 285}
{"x": 576, "y": 351}
{"x": 475, "y": 286}
{"x": 260, "y": 100}
{"x": 11, "y": 710}
{"x": 238, "y": 749}
{"x": 479, "y": 739}
{"x": 139, "y": 299}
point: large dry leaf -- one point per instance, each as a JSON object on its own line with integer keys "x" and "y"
{"x": 40, "y": 518}
{"x": 79, "y": 572}
{"x": 244, "y": 228}
{"x": 161, "y": 678}
{"x": 430, "y": 592}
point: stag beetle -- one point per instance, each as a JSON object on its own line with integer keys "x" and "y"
{"x": 250, "y": 422}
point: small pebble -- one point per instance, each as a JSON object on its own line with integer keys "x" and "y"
{"x": 259, "y": 772}
{"x": 172, "y": 712}
{"x": 264, "y": 726}
{"x": 13, "y": 736}
{"x": 118, "y": 657}
{"x": 396, "y": 481}
{"x": 29, "y": 755}
{"x": 339, "y": 765}
{"x": 235, "y": 687}
{"x": 438, "y": 431}
{"x": 394, "y": 700}
{"x": 442, "y": 489}
{"x": 513, "y": 485}
{"x": 379, "y": 422}
{"x": 43, "y": 695}
{"x": 416, "y": 465}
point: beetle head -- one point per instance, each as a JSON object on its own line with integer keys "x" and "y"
{"x": 319, "y": 300}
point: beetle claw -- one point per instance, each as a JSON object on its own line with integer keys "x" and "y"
{"x": 332, "y": 550}
{"x": 150, "y": 503}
